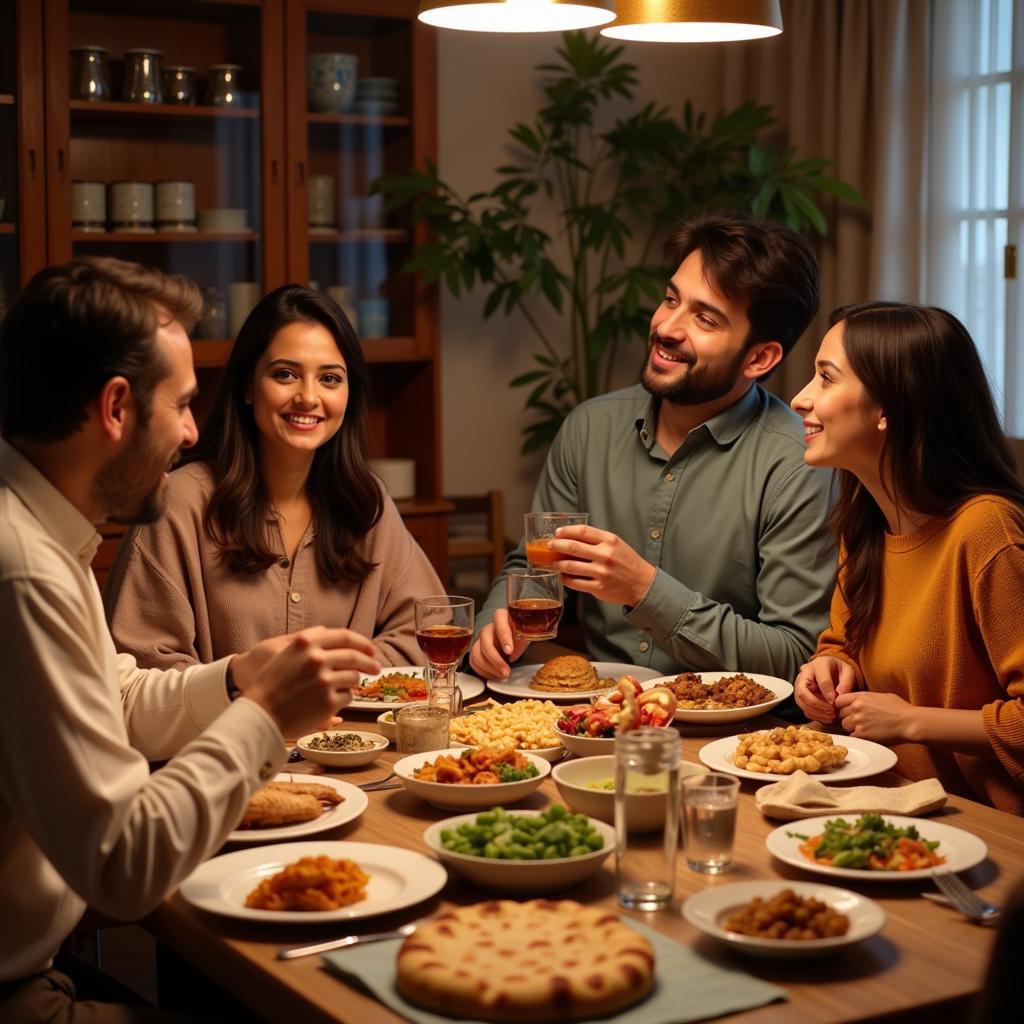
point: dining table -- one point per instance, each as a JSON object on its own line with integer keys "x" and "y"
{"x": 927, "y": 963}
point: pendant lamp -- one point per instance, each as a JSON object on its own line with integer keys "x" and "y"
{"x": 516, "y": 15}
{"x": 694, "y": 21}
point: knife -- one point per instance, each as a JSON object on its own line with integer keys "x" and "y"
{"x": 349, "y": 940}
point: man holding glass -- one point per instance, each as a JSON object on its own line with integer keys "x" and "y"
{"x": 705, "y": 547}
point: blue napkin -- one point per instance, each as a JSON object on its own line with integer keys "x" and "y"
{"x": 689, "y": 987}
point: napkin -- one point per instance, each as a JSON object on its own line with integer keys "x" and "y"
{"x": 800, "y": 796}
{"x": 689, "y": 986}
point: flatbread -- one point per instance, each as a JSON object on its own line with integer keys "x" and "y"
{"x": 542, "y": 960}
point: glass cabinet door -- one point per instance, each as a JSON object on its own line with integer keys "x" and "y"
{"x": 165, "y": 145}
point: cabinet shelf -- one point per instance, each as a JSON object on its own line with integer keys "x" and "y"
{"x": 8, "y": 229}
{"x": 6, "y": 99}
{"x": 147, "y": 238}
{"x": 117, "y": 109}
{"x": 389, "y": 235}
{"x": 387, "y": 120}
{"x": 211, "y": 353}
{"x": 398, "y": 349}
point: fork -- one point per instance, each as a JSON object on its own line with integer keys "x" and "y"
{"x": 368, "y": 787}
{"x": 965, "y": 899}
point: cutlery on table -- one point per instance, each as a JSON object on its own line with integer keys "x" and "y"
{"x": 349, "y": 940}
{"x": 961, "y": 897}
{"x": 383, "y": 783}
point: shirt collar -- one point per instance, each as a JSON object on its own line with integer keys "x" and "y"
{"x": 55, "y": 513}
{"x": 723, "y": 428}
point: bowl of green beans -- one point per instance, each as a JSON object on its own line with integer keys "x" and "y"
{"x": 522, "y": 851}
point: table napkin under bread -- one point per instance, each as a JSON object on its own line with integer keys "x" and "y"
{"x": 689, "y": 986}
{"x": 801, "y": 796}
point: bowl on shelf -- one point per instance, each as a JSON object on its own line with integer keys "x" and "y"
{"x": 331, "y": 81}
{"x": 576, "y": 781}
{"x": 521, "y": 876}
{"x": 343, "y": 758}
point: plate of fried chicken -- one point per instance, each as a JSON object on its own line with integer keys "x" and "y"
{"x": 294, "y": 805}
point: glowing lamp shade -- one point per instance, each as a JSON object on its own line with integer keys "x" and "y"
{"x": 516, "y": 15}
{"x": 694, "y": 21}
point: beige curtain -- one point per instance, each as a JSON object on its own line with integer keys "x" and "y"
{"x": 848, "y": 80}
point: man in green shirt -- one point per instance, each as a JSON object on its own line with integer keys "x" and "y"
{"x": 706, "y": 547}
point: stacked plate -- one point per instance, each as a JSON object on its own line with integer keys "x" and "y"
{"x": 376, "y": 96}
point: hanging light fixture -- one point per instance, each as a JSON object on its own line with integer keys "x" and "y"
{"x": 694, "y": 21}
{"x": 516, "y": 15}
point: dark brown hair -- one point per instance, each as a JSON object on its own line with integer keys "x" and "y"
{"x": 765, "y": 264}
{"x": 73, "y": 328}
{"x": 943, "y": 443}
{"x": 346, "y": 500}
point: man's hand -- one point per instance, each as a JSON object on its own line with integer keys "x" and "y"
{"x": 600, "y": 563}
{"x": 495, "y": 647}
{"x": 302, "y": 679}
{"x": 820, "y": 681}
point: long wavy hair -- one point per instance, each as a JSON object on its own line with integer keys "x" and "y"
{"x": 943, "y": 443}
{"x": 345, "y": 498}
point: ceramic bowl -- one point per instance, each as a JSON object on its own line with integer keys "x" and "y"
{"x": 586, "y": 746}
{"x": 386, "y": 721}
{"x": 454, "y": 797}
{"x": 518, "y": 876}
{"x": 343, "y": 758}
{"x": 645, "y": 812}
{"x": 331, "y": 81}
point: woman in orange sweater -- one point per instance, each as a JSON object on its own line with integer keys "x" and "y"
{"x": 925, "y": 648}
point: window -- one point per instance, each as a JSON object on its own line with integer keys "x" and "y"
{"x": 976, "y": 184}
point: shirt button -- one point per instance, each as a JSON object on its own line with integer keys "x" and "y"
{"x": 644, "y": 645}
{"x": 266, "y": 770}
{"x": 655, "y": 534}
{"x": 295, "y": 597}
{"x": 670, "y": 476}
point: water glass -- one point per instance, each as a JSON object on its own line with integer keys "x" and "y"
{"x": 709, "y": 821}
{"x": 539, "y": 528}
{"x": 534, "y": 602}
{"x": 646, "y": 760}
{"x": 421, "y": 727}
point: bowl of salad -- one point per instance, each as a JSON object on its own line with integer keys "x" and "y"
{"x": 587, "y": 730}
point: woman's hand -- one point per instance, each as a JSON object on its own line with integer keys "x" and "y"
{"x": 882, "y": 717}
{"x": 819, "y": 683}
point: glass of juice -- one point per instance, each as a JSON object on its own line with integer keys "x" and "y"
{"x": 534, "y": 602}
{"x": 444, "y": 628}
{"x": 539, "y": 528}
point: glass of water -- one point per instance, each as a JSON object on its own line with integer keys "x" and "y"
{"x": 709, "y": 821}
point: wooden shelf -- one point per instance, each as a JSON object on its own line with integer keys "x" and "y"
{"x": 206, "y": 354}
{"x": 391, "y": 236}
{"x": 6, "y": 99}
{"x": 387, "y": 120}
{"x": 6, "y": 228}
{"x": 147, "y": 238}
{"x": 110, "y": 108}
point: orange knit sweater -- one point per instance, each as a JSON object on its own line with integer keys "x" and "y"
{"x": 951, "y": 634}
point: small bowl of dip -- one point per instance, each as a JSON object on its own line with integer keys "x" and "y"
{"x": 342, "y": 748}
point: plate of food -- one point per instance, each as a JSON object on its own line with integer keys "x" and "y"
{"x": 294, "y": 805}
{"x": 784, "y": 920}
{"x": 876, "y": 847}
{"x": 567, "y": 677}
{"x": 313, "y": 882}
{"x": 774, "y": 754}
{"x": 403, "y": 684}
{"x": 528, "y": 724}
{"x": 718, "y": 698}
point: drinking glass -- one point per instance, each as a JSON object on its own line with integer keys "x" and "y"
{"x": 709, "y": 821}
{"x": 534, "y": 602}
{"x": 420, "y": 727}
{"x": 444, "y": 628}
{"x": 539, "y": 528}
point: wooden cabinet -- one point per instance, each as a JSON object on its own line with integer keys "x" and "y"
{"x": 269, "y": 155}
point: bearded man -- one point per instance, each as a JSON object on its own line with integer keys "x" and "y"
{"x": 706, "y": 546}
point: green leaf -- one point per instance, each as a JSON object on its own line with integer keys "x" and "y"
{"x": 527, "y": 378}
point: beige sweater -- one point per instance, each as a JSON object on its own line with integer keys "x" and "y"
{"x": 171, "y": 602}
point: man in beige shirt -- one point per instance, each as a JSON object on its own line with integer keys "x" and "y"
{"x": 96, "y": 378}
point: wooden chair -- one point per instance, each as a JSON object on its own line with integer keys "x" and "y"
{"x": 476, "y": 531}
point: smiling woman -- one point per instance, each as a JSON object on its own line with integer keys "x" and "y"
{"x": 278, "y": 523}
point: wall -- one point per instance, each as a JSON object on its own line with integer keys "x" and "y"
{"x": 486, "y": 83}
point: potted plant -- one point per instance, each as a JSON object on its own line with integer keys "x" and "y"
{"x": 617, "y": 190}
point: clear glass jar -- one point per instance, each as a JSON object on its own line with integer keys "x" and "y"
{"x": 222, "y": 85}
{"x": 213, "y": 321}
{"x": 142, "y": 76}
{"x": 90, "y": 78}
{"x": 646, "y": 762}
{"x": 179, "y": 85}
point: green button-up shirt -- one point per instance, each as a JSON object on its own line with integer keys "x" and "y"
{"x": 733, "y": 520}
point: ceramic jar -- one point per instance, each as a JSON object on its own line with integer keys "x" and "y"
{"x": 331, "y": 81}
{"x": 90, "y": 78}
{"x": 322, "y": 201}
{"x": 175, "y": 206}
{"x": 179, "y": 84}
{"x": 88, "y": 206}
{"x": 142, "y": 76}
{"x": 131, "y": 206}
{"x": 222, "y": 85}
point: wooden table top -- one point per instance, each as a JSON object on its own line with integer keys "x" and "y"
{"x": 927, "y": 959}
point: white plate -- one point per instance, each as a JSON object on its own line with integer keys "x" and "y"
{"x": 349, "y": 809}
{"x": 864, "y": 758}
{"x": 455, "y": 797}
{"x": 723, "y": 716}
{"x": 961, "y": 849}
{"x": 398, "y": 879}
{"x": 469, "y": 685}
{"x": 706, "y": 911}
{"x": 518, "y": 682}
